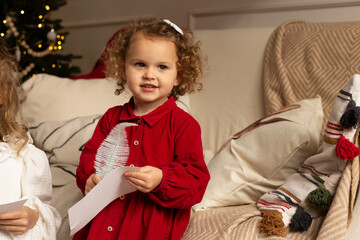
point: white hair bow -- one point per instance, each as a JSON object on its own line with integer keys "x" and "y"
{"x": 174, "y": 26}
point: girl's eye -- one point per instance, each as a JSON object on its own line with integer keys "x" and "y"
{"x": 162, "y": 67}
{"x": 139, "y": 64}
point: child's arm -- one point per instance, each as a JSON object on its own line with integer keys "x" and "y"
{"x": 18, "y": 222}
{"x": 184, "y": 180}
{"x": 36, "y": 186}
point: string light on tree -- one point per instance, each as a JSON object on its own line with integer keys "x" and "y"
{"x": 35, "y": 38}
{"x": 14, "y": 31}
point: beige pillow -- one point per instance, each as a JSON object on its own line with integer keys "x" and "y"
{"x": 262, "y": 156}
{"x": 51, "y": 98}
{"x": 63, "y": 141}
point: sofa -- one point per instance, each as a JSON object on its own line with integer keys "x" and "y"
{"x": 250, "y": 76}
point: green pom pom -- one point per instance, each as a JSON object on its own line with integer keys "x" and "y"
{"x": 320, "y": 197}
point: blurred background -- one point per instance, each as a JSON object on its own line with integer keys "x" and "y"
{"x": 83, "y": 27}
{"x": 92, "y": 22}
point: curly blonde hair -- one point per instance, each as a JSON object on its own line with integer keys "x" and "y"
{"x": 190, "y": 60}
{"x": 9, "y": 101}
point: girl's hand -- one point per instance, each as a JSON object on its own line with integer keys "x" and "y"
{"x": 19, "y": 221}
{"x": 91, "y": 182}
{"x": 146, "y": 180}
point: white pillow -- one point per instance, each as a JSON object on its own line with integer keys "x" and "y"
{"x": 63, "y": 141}
{"x": 51, "y": 98}
{"x": 262, "y": 156}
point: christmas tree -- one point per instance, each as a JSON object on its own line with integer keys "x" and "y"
{"x": 35, "y": 38}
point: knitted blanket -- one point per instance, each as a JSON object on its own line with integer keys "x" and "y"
{"x": 237, "y": 222}
{"x": 304, "y": 59}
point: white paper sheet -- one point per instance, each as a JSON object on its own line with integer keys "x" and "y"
{"x": 111, "y": 187}
{"x": 12, "y": 206}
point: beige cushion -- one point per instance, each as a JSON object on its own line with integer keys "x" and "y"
{"x": 232, "y": 97}
{"x": 51, "y": 98}
{"x": 63, "y": 141}
{"x": 263, "y": 157}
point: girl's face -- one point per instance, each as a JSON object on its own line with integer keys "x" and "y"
{"x": 150, "y": 72}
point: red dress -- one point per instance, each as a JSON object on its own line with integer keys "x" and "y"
{"x": 167, "y": 138}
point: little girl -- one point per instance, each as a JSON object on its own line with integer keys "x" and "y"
{"x": 24, "y": 169}
{"x": 159, "y": 62}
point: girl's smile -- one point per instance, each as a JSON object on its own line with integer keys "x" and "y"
{"x": 148, "y": 87}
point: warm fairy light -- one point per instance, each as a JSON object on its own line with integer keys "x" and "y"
{"x": 50, "y": 48}
{"x": 59, "y": 42}
{"x": 2, "y": 34}
{"x": 22, "y": 11}
{"x": 59, "y": 66}
{"x": 24, "y": 52}
{"x": 62, "y": 37}
{"x": 40, "y": 16}
{"x": 40, "y": 25}
{"x": 43, "y": 69}
{"x": 59, "y": 47}
{"x": 58, "y": 36}
{"x": 53, "y": 66}
{"x": 39, "y": 46}
{"x": 4, "y": 21}
{"x": 47, "y": 7}
{"x": 55, "y": 48}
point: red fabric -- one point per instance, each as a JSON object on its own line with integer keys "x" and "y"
{"x": 346, "y": 150}
{"x": 98, "y": 70}
{"x": 170, "y": 139}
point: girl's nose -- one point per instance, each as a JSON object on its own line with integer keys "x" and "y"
{"x": 149, "y": 74}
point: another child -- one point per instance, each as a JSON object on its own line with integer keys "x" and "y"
{"x": 24, "y": 169}
{"x": 159, "y": 62}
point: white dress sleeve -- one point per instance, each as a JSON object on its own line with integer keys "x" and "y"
{"x": 36, "y": 185}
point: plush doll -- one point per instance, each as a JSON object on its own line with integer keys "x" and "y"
{"x": 308, "y": 193}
